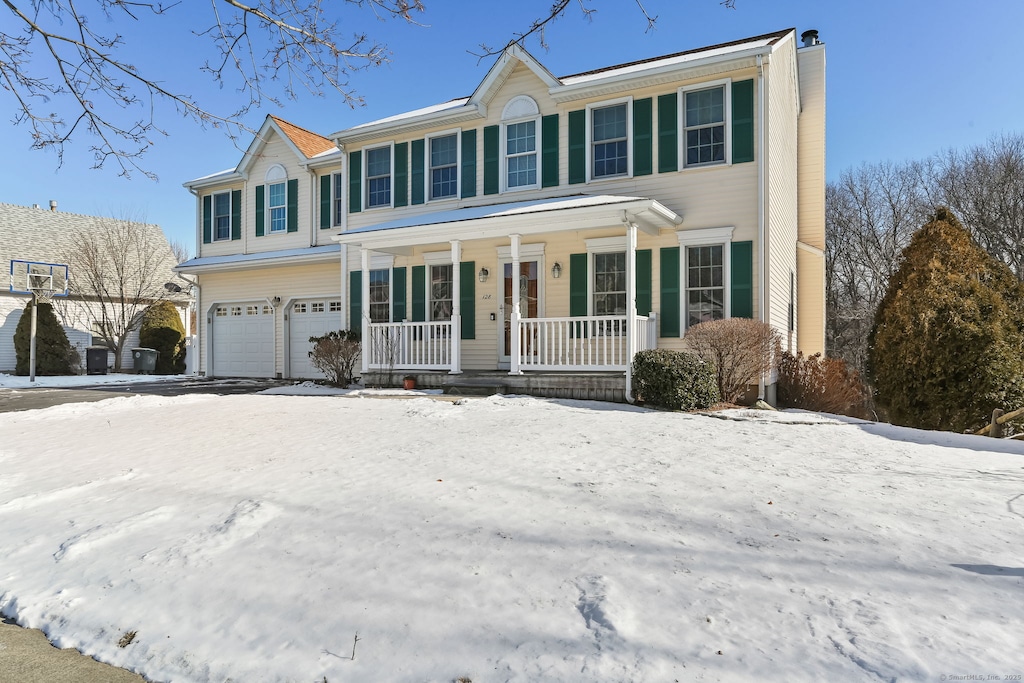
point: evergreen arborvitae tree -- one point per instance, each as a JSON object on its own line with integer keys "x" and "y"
{"x": 162, "y": 330}
{"x": 53, "y": 350}
{"x": 947, "y": 346}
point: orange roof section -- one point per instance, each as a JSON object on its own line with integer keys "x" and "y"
{"x": 309, "y": 143}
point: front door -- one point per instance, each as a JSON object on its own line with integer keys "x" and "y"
{"x": 527, "y": 288}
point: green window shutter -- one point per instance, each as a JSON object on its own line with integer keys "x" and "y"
{"x": 742, "y": 121}
{"x": 293, "y": 205}
{"x": 491, "y": 157}
{"x": 398, "y": 294}
{"x": 402, "y": 174}
{"x": 355, "y": 182}
{"x": 668, "y": 137}
{"x": 419, "y": 294}
{"x": 742, "y": 285}
{"x": 325, "y": 202}
{"x": 260, "y": 207}
{"x": 469, "y": 163}
{"x": 236, "y": 214}
{"x": 467, "y": 298}
{"x": 416, "y": 177}
{"x": 207, "y": 219}
{"x": 669, "y": 292}
{"x": 578, "y": 146}
{"x": 549, "y": 151}
{"x": 643, "y": 281}
{"x": 355, "y": 300}
{"x": 578, "y": 284}
{"x": 643, "y": 145}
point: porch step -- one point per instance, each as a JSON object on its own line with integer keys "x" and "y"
{"x": 474, "y": 387}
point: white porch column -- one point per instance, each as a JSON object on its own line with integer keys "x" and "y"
{"x": 456, "y": 340}
{"x": 631, "y": 340}
{"x": 514, "y": 334}
{"x": 346, "y": 323}
{"x": 364, "y": 321}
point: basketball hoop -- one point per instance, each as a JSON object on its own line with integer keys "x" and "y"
{"x": 43, "y": 281}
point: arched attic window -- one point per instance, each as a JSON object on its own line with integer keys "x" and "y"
{"x": 277, "y": 198}
{"x": 520, "y": 120}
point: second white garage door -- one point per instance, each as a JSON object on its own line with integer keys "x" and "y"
{"x": 243, "y": 340}
{"x": 309, "y": 318}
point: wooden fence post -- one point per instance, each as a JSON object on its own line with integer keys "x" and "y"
{"x": 996, "y": 427}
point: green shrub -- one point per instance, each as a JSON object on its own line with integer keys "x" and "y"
{"x": 162, "y": 330}
{"x": 53, "y": 350}
{"x": 826, "y": 385}
{"x": 947, "y": 346}
{"x": 335, "y": 355}
{"x": 674, "y": 380}
{"x": 740, "y": 349}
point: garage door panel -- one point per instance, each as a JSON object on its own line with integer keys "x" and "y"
{"x": 309, "y": 318}
{"x": 243, "y": 340}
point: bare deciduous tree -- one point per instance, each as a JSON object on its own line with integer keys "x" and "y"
{"x": 118, "y": 269}
{"x": 68, "y": 78}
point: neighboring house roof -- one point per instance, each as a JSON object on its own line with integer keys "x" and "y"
{"x": 39, "y": 234}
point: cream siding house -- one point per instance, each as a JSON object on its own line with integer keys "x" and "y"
{"x": 539, "y": 232}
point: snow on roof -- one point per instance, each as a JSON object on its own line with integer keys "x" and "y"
{"x": 451, "y": 104}
{"x": 495, "y": 210}
{"x": 208, "y": 261}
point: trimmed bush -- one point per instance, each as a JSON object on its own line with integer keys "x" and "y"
{"x": 740, "y": 349}
{"x": 53, "y": 350}
{"x": 335, "y": 355}
{"x": 162, "y": 330}
{"x": 826, "y": 385}
{"x": 674, "y": 380}
{"x": 947, "y": 345}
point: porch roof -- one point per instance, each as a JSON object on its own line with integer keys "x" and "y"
{"x": 557, "y": 214}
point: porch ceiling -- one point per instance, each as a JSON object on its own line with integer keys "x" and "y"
{"x": 576, "y": 212}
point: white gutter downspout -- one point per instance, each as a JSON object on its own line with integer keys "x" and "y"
{"x": 200, "y": 315}
{"x": 761, "y": 232}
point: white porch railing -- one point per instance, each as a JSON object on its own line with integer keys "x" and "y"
{"x": 409, "y": 346}
{"x": 582, "y": 343}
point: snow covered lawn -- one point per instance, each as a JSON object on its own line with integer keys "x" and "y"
{"x": 251, "y": 538}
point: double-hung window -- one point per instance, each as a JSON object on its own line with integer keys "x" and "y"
{"x": 705, "y": 284}
{"x": 704, "y": 124}
{"x": 521, "y": 154}
{"x": 609, "y": 140}
{"x": 277, "y": 202}
{"x": 380, "y": 295}
{"x": 222, "y": 216}
{"x": 378, "y": 177}
{"x": 441, "y": 292}
{"x": 610, "y": 283}
{"x": 444, "y": 166}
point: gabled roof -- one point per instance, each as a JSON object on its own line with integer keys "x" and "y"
{"x": 38, "y": 234}
{"x": 310, "y": 144}
{"x": 599, "y": 81}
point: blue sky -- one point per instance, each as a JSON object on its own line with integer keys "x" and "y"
{"x": 906, "y": 78}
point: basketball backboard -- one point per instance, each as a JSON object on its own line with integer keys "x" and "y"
{"x": 35, "y": 277}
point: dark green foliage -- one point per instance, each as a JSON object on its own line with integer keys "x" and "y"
{"x": 335, "y": 355}
{"x": 674, "y": 380}
{"x": 53, "y": 351}
{"x": 162, "y": 330}
{"x": 947, "y": 346}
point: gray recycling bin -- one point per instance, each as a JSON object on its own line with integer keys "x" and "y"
{"x": 96, "y": 360}
{"x": 144, "y": 361}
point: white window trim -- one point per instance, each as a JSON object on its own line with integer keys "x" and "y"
{"x": 213, "y": 217}
{"x": 603, "y": 245}
{"x": 706, "y": 237}
{"x": 391, "y": 285}
{"x": 267, "y": 209}
{"x": 457, "y": 132}
{"x": 437, "y": 258}
{"x": 726, "y": 83}
{"x": 527, "y": 252}
{"x": 629, "y": 138}
{"x": 364, "y": 184}
{"x": 503, "y": 142}
{"x": 429, "y": 292}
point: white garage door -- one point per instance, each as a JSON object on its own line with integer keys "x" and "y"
{"x": 243, "y": 340}
{"x": 309, "y": 318}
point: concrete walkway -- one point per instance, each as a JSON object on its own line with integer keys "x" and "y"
{"x": 26, "y": 656}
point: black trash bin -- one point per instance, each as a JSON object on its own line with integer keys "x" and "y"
{"x": 96, "y": 360}
{"x": 144, "y": 360}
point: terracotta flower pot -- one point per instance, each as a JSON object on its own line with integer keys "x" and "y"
{"x": 409, "y": 383}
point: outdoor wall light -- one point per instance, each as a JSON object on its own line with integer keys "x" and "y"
{"x": 276, "y": 301}
{"x": 556, "y": 270}
{"x": 483, "y": 274}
